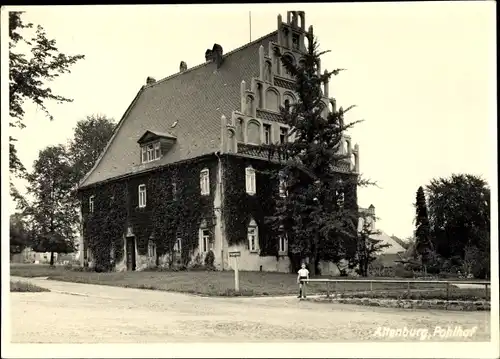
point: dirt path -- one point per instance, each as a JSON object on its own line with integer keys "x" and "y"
{"x": 81, "y": 313}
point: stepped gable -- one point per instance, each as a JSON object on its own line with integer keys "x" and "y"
{"x": 187, "y": 105}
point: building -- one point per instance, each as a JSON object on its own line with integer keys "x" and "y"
{"x": 184, "y": 174}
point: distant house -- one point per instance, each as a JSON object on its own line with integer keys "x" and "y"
{"x": 184, "y": 172}
{"x": 388, "y": 256}
{"x": 30, "y": 256}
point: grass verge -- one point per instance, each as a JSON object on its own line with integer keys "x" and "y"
{"x": 18, "y": 286}
{"x": 465, "y": 294}
{"x": 207, "y": 282}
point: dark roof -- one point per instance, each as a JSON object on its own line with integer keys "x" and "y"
{"x": 155, "y": 134}
{"x": 195, "y": 99}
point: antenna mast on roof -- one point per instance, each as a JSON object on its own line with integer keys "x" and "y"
{"x": 250, "y": 21}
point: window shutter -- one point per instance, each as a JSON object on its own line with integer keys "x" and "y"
{"x": 144, "y": 155}
{"x": 202, "y": 184}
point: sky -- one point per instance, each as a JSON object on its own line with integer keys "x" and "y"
{"x": 422, "y": 77}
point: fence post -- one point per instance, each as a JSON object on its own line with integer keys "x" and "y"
{"x": 328, "y": 289}
{"x": 408, "y": 287}
{"x": 335, "y": 288}
{"x": 371, "y": 286}
{"x": 447, "y": 290}
{"x": 486, "y": 291}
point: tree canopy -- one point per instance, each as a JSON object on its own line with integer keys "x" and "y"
{"x": 459, "y": 220}
{"x": 30, "y": 73}
{"x": 52, "y": 211}
{"x": 89, "y": 140}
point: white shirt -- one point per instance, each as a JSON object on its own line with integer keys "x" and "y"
{"x": 303, "y": 272}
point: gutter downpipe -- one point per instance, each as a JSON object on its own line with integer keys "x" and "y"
{"x": 221, "y": 189}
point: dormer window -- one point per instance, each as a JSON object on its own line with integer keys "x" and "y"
{"x": 151, "y": 152}
{"x": 155, "y": 144}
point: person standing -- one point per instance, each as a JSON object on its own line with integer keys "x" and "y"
{"x": 303, "y": 274}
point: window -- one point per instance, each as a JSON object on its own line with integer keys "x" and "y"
{"x": 253, "y": 132}
{"x": 267, "y": 134}
{"x": 282, "y": 244}
{"x": 151, "y": 152}
{"x": 250, "y": 180}
{"x": 142, "y": 196}
{"x": 283, "y": 135}
{"x": 178, "y": 245}
{"x": 151, "y": 249}
{"x": 91, "y": 204}
{"x": 295, "y": 41}
{"x": 253, "y": 237}
{"x": 204, "y": 182}
{"x": 205, "y": 240}
{"x": 239, "y": 130}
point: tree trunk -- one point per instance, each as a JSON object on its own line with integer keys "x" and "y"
{"x": 51, "y": 258}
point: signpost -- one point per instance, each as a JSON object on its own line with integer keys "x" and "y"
{"x": 235, "y": 255}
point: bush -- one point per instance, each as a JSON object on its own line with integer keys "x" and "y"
{"x": 400, "y": 271}
{"x": 81, "y": 269}
{"x": 21, "y": 287}
{"x": 209, "y": 260}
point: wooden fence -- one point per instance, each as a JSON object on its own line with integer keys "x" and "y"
{"x": 408, "y": 282}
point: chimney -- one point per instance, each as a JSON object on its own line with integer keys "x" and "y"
{"x": 208, "y": 55}
{"x": 183, "y": 66}
{"x": 150, "y": 80}
{"x": 217, "y": 53}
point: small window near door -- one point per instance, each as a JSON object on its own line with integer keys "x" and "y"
{"x": 151, "y": 249}
{"x": 178, "y": 245}
{"x": 253, "y": 237}
{"x": 282, "y": 244}
{"x": 205, "y": 241}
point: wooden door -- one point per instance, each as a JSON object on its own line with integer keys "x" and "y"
{"x": 131, "y": 253}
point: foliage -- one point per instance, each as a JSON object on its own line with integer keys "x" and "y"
{"x": 459, "y": 217}
{"x": 319, "y": 213}
{"x": 105, "y": 227}
{"x": 422, "y": 233}
{"x": 28, "y": 76}
{"x": 89, "y": 140}
{"x": 402, "y": 272}
{"x": 19, "y": 235}
{"x": 240, "y": 207}
{"x": 367, "y": 246}
{"x": 52, "y": 212}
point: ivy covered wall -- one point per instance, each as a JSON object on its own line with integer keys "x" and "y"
{"x": 240, "y": 207}
{"x": 174, "y": 209}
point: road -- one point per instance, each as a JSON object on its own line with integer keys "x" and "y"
{"x": 81, "y": 313}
